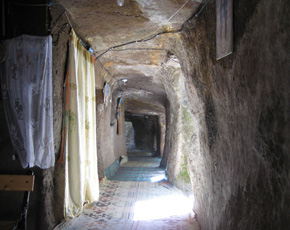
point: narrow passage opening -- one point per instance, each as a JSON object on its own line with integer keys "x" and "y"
{"x": 142, "y": 162}
{"x": 138, "y": 195}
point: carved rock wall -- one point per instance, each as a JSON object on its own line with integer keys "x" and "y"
{"x": 240, "y": 176}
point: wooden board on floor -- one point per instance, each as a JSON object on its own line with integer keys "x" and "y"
{"x": 16, "y": 182}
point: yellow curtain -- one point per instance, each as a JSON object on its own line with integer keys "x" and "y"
{"x": 79, "y": 145}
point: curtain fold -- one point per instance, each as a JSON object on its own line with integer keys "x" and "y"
{"x": 26, "y": 84}
{"x": 79, "y": 137}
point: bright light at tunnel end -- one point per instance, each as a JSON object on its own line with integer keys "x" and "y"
{"x": 177, "y": 206}
{"x": 158, "y": 178}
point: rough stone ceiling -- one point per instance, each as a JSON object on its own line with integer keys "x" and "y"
{"x": 137, "y": 106}
{"x": 103, "y": 24}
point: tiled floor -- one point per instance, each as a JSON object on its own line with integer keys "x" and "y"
{"x": 136, "y": 205}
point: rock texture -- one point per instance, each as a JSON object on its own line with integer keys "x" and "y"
{"x": 223, "y": 125}
{"x": 104, "y": 24}
{"x": 241, "y": 174}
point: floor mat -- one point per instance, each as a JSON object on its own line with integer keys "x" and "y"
{"x": 139, "y": 153}
{"x": 130, "y": 201}
{"x": 139, "y": 174}
{"x": 147, "y": 162}
{"x": 136, "y": 205}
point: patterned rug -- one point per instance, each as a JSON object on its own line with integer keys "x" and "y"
{"x": 145, "y": 164}
{"x": 139, "y": 168}
{"x": 139, "y": 153}
{"x": 130, "y": 201}
{"x": 136, "y": 206}
{"x": 139, "y": 174}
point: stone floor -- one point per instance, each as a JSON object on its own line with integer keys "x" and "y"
{"x": 138, "y": 204}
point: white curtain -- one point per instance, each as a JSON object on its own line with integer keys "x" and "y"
{"x": 80, "y": 141}
{"x": 26, "y": 84}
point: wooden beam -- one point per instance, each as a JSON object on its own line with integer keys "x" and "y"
{"x": 17, "y": 182}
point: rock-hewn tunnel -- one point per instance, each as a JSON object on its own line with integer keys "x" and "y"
{"x": 221, "y": 127}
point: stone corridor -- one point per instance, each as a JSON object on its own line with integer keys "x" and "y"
{"x": 219, "y": 125}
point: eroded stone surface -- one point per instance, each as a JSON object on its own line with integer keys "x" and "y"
{"x": 242, "y": 176}
{"x": 226, "y": 121}
{"x": 224, "y": 124}
{"x": 104, "y": 24}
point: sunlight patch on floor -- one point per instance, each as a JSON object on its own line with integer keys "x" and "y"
{"x": 178, "y": 206}
{"x": 158, "y": 178}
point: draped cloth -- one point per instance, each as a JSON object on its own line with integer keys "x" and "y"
{"x": 26, "y": 84}
{"x": 79, "y": 131}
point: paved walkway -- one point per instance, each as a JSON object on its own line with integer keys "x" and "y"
{"x": 137, "y": 204}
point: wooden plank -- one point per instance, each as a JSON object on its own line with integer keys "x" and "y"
{"x": 6, "y": 225}
{"x": 17, "y": 182}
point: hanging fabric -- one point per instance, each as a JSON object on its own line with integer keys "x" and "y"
{"x": 106, "y": 93}
{"x": 119, "y": 112}
{"x": 79, "y": 143}
{"x": 26, "y": 84}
